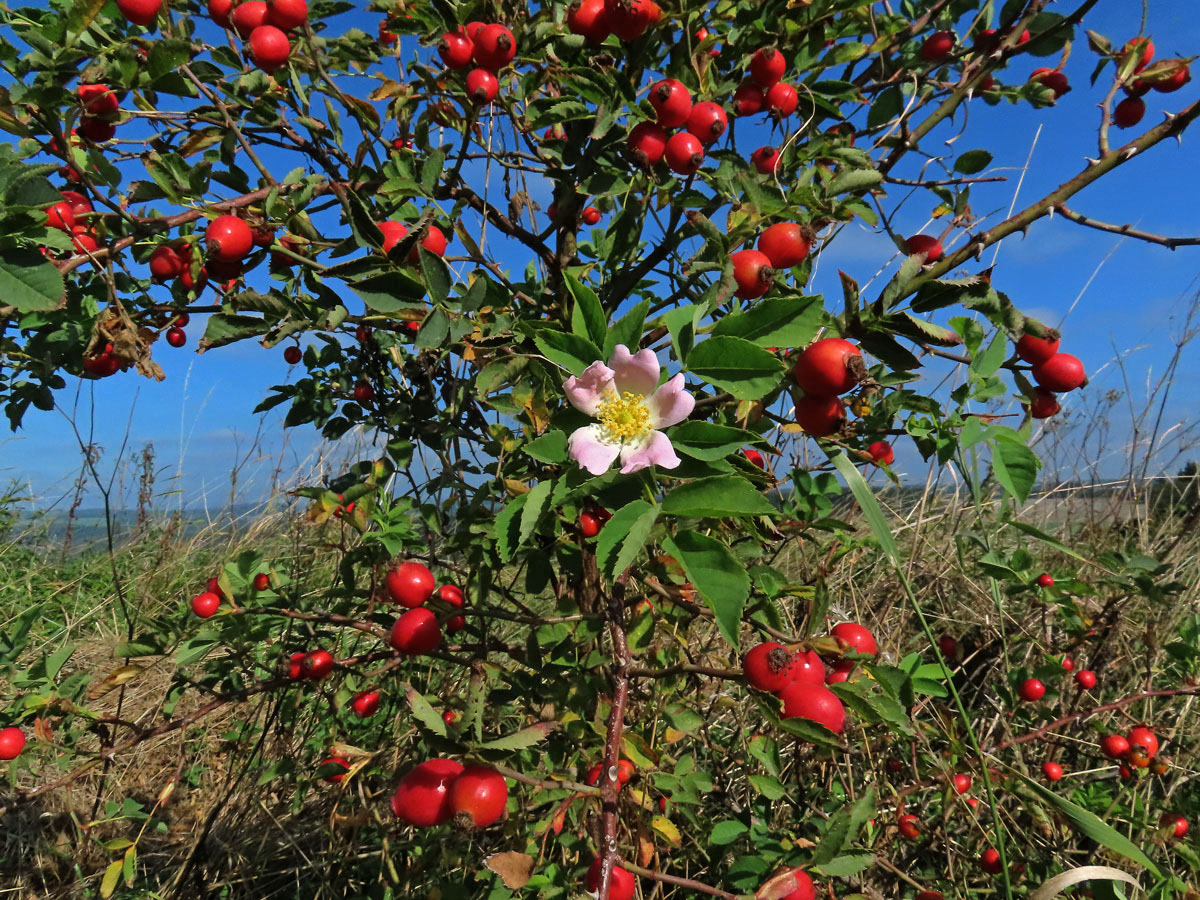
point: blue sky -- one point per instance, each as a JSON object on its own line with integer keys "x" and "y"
{"x": 1108, "y": 294}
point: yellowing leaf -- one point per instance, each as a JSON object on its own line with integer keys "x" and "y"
{"x": 666, "y": 829}
{"x": 671, "y": 735}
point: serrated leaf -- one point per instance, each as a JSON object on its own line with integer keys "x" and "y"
{"x": 717, "y": 574}
{"x": 519, "y": 740}
{"x": 535, "y": 505}
{"x": 424, "y": 712}
{"x": 587, "y": 314}
{"x": 708, "y": 441}
{"x": 854, "y": 180}
{"x": 1015, "y": 467}
{"x": 506, "y": 528}
{"x": 719, "y": 496}
{"x": 572, "y": 352}
{"x": 667, "y": 830}
{"x": 844, "y": 827}
{"x": 777, "y": 322}
{"x": 389, "y": 293}
{"x": 769, "y": 786}
{"x": 727, "y": 832}
{"x": 627, "y": 330}
{"x": 624, "y": 536}
{"x": 845, "y": 866}
{"x": 550, "y": 448}
{"x": 28, "y": 281}
{"x": 736, "y": 365}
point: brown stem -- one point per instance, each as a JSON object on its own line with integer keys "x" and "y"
{"x": 609, "y": 786}
{"x": 1127, "y": 230}
{"x": 683, "y": 882}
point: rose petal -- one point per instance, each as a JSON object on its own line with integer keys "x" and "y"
{"x": 587, "y": 391}
{"x": 592, "y": 454}
{"x": 671, "y": 403}
{"x": 653, "y": 450}
{"x": 636, "y": 373}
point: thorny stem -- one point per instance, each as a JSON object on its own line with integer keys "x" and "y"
{"x": 609, "y": 786}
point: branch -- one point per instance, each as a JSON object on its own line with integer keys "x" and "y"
{"x": 1127, "y": 230}
{"x": 609, "y": 786}
{"x": 684, "y": 882}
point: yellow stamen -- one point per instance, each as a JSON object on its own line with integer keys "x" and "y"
{"x": 624, "y": 418}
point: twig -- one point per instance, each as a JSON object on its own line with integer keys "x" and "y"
{"x": 1127, "y": 230}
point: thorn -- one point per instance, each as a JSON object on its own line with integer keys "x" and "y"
{"x": 1092, "y": 162}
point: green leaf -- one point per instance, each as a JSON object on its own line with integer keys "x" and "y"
{"x": 869, "y": 505}
{"x": 854, "y": 180}
{"x": 112, "y": 875}
{"x": 735, "y": 365}
{"x": 627, "y": 330}
{"x": 28, "y": 281}
{"x": 721, "y": 495}
{"x": 129, "y": 866}
{"x": 389, "y": 293}
{"x": 435, "y": 329}
{"x": 424, "y": 712}
{"x": 624, "y": 536}
{"x": 228, "y": 328}
{"x": 1014, "y": 465}
{"x": 587, "y": 315}
{"x": 989, "y": 360}
{"x": 778, "y": 322}
{"x": 519, "y": 740}
{"x": 844, "y": 827}
{"x": 704, "y": 440}
{"x": 535, "y": 505}
{"x": 888, "y": 105}
{"x": 431, "y": 170}
{"x": 973, "y": 161}
{"x": 769, "y": 786}
{"x": 845, "y": 866}
{"x": 435, "y": 274}
{"x": 570, "y": 351}
{"x": 1093, "y": 827}
{"x": 195, "y": 648}
{"x": 506, "y": 527}
{"x": 717, "y": 574}
{"x": 727, "y": 832}
{"x": 550, "y": 448}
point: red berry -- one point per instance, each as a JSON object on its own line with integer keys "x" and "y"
{"x": 684, "y": 153}
{"x": 672, "y": 102}
{"x": 1045, "y": 580}
{"x": 630, "y": 19}
{"x": 754, "y": 457}
{"x": 60, "y": 216}
{"x": 625, "y": 771}
{"x": 820, "y": 416}
{"x": 205, "y": 605}
{"x": 1129, "y": 112}
{"x": 768, "y": 667}
{"x": 1179, "y": 825}
{"x": 621, "y": 884}
{"x": 1133, "y": 46}
{"x": 1052, "y": 770}
{"x": 262, "y": 581}
{"x": 80, "y": 205}
{"x": 588, "y": 18}
{"x": 989, "y": 861}
{"x": 840, "y": 671}
{"x": 363, "y": 392}
{"x": 1032, "y": 690}
{"x": 452, "y": 596}
{"x": 1044, "y": 404}
{"x": 176, "y": 337}
{"x": 292, "y": 354}
{"x": 948, "y": 646}
{"x": 456, "y": 50}
{"x": 829, "y": 366}
{"x": 707, "y": 121}
{"x": 1053, "y": 79}
{"x": 1144, "y": 738}
{"x": 767, "y": 66}
{"x": 287, "y": 14}
{"x": 393, "y": 233}
{"x": 927, "y": 244}
{"x": 765, "y": 159}
{"x": 229, "y": 238}
{"x": 1086, "y": 679}
{"x": 410, "y": 584}
{"x": 786, "y": 244}
{"x": 219, "y": 11}
{"x": 1177, "y": 79}
{"x": 782, "y": 100}
{"x": 482, "y": 86}
{"x": 748, "y": 99}
{"x": 317, "y": 664}
{"x": 269, "y": 47}
{"x": 96, "y": 130}
{"x": 589, "y": 525}
{"x": 1114, "y": 746}
{"x": 938, "y": 46}
{"x": 449, "y": 717}
{"x": 908, "y": 825}
{"x": 1037, "y": 349}
{"x": 753, "y": 273}
{"x": 852, "y": 636}
{"x": 365, "y": 703}
{"x": 647, "y": 142}
{"x": 1068, "y": 664}
{"x": 97, "y": 99}
{"x": 495, "y": 47}
{"x": 422, "y": 797}
{"x": 249, "y": 15}
{"x": 961, "y": 783}
{"x": 12, "y": 742}
{"x": 341, "y": 766}
{"x": 815, "y": 703}
{"x": 478, "y": 796}
{"x": 296, "y": 666}
{"x": 803, "y": 889}
{"x": 214, "y": 586}
{"x": 416, "y": 632}
{"x": 140, "y": 12}
{"x": 808, "y": 668}
{"x": 1060, "y": 373}
{"x": 591, "y": 216}
{"x": 882, "y": 453}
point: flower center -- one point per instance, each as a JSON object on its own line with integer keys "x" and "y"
{"x": 624, "y": 418}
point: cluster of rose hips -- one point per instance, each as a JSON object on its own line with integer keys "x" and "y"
{"x": 443, "y": 790}
{"x": 394, "y": 232}
{"x": 800, "y": 679}
{"x": 781, "y": 246}
{"x": 71, "y": 214}
{"x": 1168, "y": 76}
{"x": 1135, "y": 750}
{"x": 207, "y": 603}
{"x": 263, "y": 26}
{"x": 824, "y": 370}
{"x": 488, "y": 47}
{"x": 1054, "y": 372}
{"x": 418, "y": 631}
{"x": 595, "y": 20}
